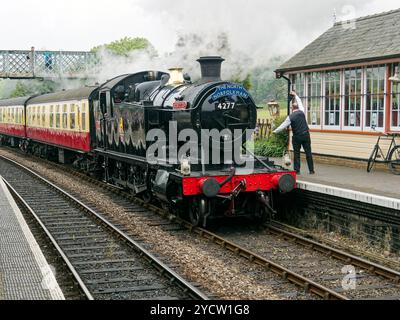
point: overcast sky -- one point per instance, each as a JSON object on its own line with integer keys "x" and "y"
{"x": 260, "y": 26}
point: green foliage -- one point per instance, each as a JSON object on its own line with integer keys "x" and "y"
{"x": 31, "y": 87}
{"x": 125, "y": 46}
{"x": 276, "y": 145}
{"x": 246, "y": 82}
{"x": 20, "y": 90}
{"x": 265, "y": 87}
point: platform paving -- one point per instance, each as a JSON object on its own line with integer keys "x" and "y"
{"x": 24, "y": 271}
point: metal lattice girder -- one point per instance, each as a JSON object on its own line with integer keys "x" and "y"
{"x": 46, "y": 64}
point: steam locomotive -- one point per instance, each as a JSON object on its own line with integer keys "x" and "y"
{"x": 154, "y": 134}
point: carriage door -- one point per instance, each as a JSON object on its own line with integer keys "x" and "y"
{"x": 105, "y": 107}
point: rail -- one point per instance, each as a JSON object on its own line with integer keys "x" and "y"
{"x": 156, "y": 263}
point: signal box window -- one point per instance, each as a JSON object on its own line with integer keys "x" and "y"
{"x": 395, "y": 105}
{"x": 375, "y": 107}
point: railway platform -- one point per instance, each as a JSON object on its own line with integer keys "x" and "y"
{"x": 375, "y": 188}
{"x": 24, "y": 271}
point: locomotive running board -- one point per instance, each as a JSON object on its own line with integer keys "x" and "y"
{"x": 131, "y": 159}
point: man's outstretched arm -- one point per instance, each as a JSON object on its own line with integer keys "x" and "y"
{"x": 283, "y": 126}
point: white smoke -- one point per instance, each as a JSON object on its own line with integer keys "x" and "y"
{"x": 247, "y": 33}
{"x": 188, "y": 48}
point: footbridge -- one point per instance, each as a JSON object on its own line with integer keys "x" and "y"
{"x": 31, "y": 64}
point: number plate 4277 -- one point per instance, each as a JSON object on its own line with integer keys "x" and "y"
{"x": 226, "y": 106}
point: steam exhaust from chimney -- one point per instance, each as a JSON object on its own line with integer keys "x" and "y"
{"x": 211, "y": 68}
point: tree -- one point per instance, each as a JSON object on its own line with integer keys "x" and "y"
{"x": 125, "y": 46}
{"x": 264, "y": 84}
{"x": 246, "y": 82}
{"x": 31, "y": 87}
{"x": 21, "y": 90}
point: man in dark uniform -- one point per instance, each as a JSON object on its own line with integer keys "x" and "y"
{"x": 301, "y": 133}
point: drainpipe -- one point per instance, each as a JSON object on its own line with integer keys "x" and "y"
{"x": 289, "y": 90}
{"x": 280, "y": 75}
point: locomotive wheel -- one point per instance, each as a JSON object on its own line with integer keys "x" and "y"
{"x": 263, "y": 216}
{"x": 147, "y": 197}
{"x": 197, "y": 213}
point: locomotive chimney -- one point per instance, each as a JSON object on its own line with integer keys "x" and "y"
{"x": 211, "y": 68}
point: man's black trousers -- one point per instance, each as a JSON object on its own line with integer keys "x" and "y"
{"x": 302, "y": 140}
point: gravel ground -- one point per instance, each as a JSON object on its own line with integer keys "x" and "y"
{"x": 223, "y": 274}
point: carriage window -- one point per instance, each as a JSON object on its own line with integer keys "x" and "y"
{"x": 65, "y": 117}
{"x": 83, "y": 115}
{"x": 72, "y": 116}
{"x": 38, "y": 116}
{"x": 58, "y": 116}
{"x": 51, "y": 116}
{"x": 1, "y": 115}
{"x": 43, "y": 116}
{"x": 33, "y": 115}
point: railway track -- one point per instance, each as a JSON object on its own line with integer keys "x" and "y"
{"x": 312, "y": 267}
{"x": 353, "y": 277}
{"x": 105, "y": 262}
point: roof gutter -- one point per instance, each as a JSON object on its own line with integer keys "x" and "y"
{"x": 335, "y": 64}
